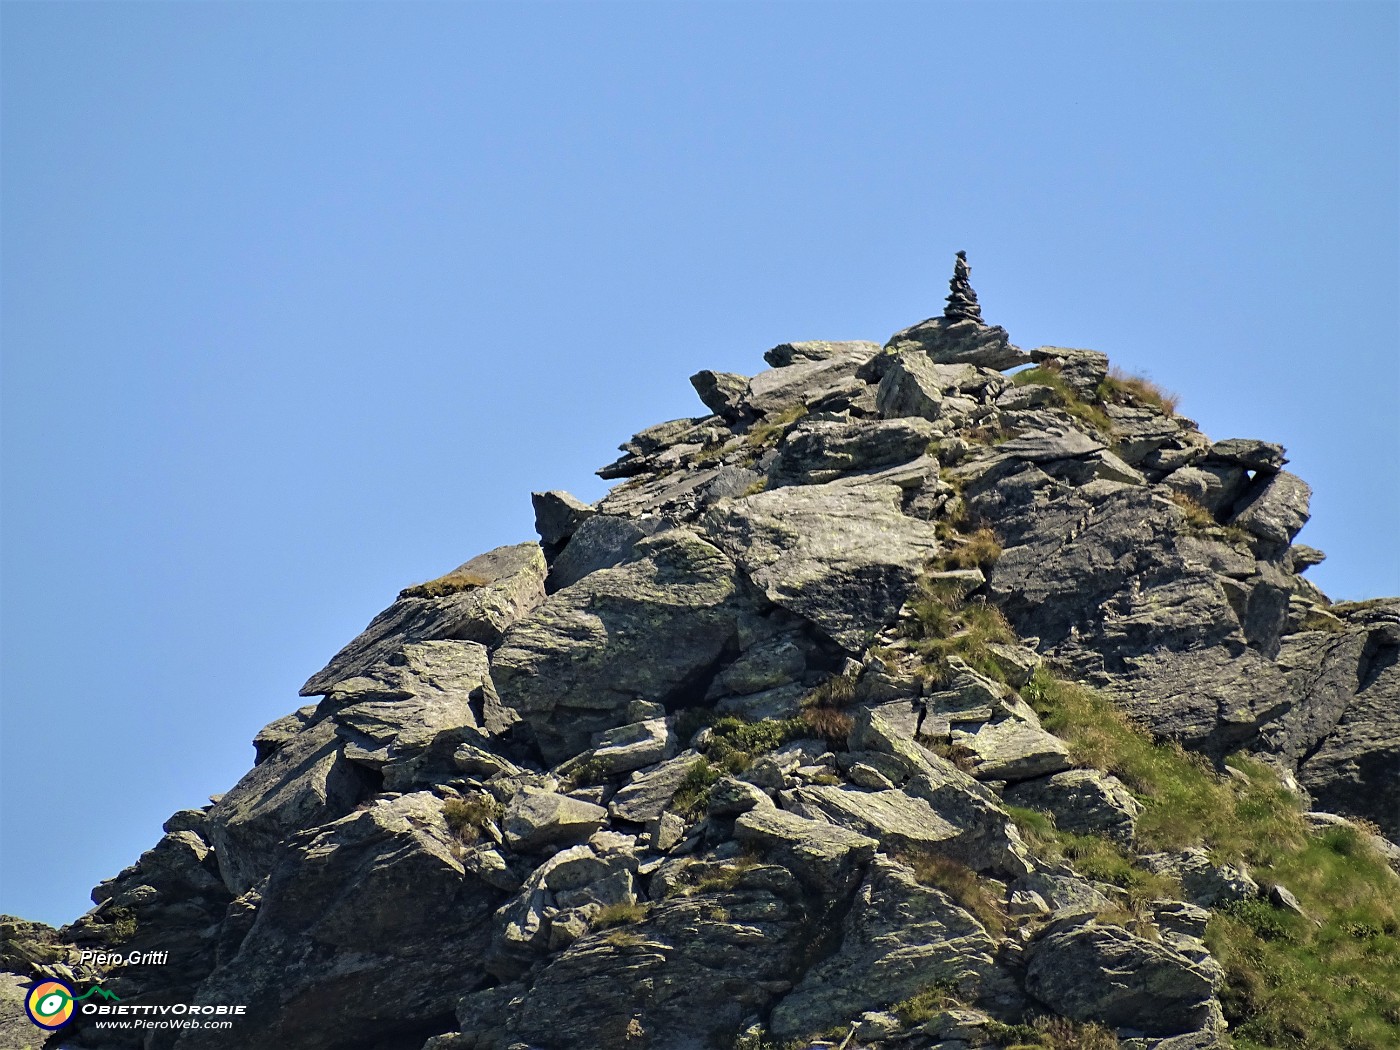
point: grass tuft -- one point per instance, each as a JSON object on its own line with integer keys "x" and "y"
{"x": 453, "y": 583}
{"x": 467, "y": 817}
{"x": 1048, "y": 374}
{"x": 1122, "y": 387}
{"x": 620, "y": 914}
{"x": 961, "y": 883}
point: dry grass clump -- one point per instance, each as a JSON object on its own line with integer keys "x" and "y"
{"x": 467, "y": 817}
{"x": 624, "y": 913}
{"x": 980, "y": 548}
{"x": 961, "y": 883}
{"x": 1123, "y": 387}
{"x": 454, "y": 582}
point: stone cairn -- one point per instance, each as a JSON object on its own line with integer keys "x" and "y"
{"x": 962, "y": 300}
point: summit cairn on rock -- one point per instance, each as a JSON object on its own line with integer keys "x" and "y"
{"x": 752, "y": 748}
{"x": 962, "y": 300}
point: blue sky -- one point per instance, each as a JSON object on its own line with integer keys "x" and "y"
{"x": 300, "y": 302}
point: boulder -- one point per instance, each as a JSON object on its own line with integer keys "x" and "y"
{"x": 897, "y": 820}
{"x": 633, "y": 746}
{"x": 801, "y": 383}
{"x": 722, "y": 392}
{"x": 819, "y": 450}
{"x": 843, "y": 557}
{"x": 557, "y": 517}
{"x": 1082, "y": 801}
{"x": 1081, "y": 370}
{"x": 536, "y": 818}
{"x": 1090, "y": 972}
{"x": 959, "y": 342}
{"x": 1249, "y": 453}
{"x": 648, "y": 794}
{"x": 1205, "y": 883}
{"x": 503, "y": 585}
{"x": 1274, "y": 507}
{"x": 785, "y": 354}
{"x": 1013, "y": 750}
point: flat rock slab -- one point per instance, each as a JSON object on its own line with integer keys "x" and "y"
{"x": 898, "y": 820}
{"x": 821, "y": 855}
{"x": 843, "y": 557}
{"x": 1013, "y": 750}
{"x": 514, "y": 584}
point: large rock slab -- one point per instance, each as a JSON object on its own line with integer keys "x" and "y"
{"x": 1274, "y": 507}
{"x": 1013, "y": 750}
{"x": 899, "y": 821}
{"x": 1099, "y": 973}
{"x": 509, "y": 582}
{"x": 823, "y": 856}
{"x": 374, "y": 908}
{"x": 600, "y": 542}
{"x": 652, "y": 628}
{"x": 536, "y": 818}
{"x": 803, "y": 382}
{"x": 960, "y": 342}
{"x": 898, "y": 939}
{"x": 843, "y": 557}
{"x": 785, "y": 354}
{"x": 648, "y": 793}
{"x": 824, "y": 449}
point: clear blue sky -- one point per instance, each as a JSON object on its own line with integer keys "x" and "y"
{"x": 300, "y": 302}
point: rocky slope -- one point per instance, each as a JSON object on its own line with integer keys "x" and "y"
{"x": 757, "y": 751}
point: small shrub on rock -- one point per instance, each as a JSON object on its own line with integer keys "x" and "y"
{"x": 467, "y": 817}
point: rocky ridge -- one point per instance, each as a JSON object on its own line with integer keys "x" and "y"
{"x": 743, "y": 755}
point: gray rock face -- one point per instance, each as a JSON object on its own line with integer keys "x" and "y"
{"x": 652, "y": 628}
{"x": 1083, "y": 370}
{"x": 959, "y": 342}
{"x": 371, "y": 909}
{"x": 649, "y": 792}
{"x": 1099, "y": 973}
{"x": 897, "y": 820}
{"x": 843, "y": 558}
{"x": 805, "y": 382}
{"x": 897, "y": 940}
{"x": 512, "y": 584}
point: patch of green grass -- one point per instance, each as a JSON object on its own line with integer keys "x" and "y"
{"x": 1202, "y": 521}
{"x": 1047, "y": 374}
{"x": 453, "y": 583}
{"x": 925, "y": 1005}
{"x": 467, "y": 817}
{"x": 1052, "y": 1033}
{"x": 620, "y": 914}
{"x": 693, "y": 795}
{"x": 766, "y": 433}
{"x": 1291, "y": 982}
{"x": 944, "y": 625}
{"x": 1124, "y": 388}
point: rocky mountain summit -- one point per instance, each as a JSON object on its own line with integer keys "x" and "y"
{"x": 910, "y": 697}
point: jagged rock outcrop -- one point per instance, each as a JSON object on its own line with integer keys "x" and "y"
{"x": 751, "y": 749}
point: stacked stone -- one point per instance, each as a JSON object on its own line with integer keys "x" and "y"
{"x": 962, "y": 300}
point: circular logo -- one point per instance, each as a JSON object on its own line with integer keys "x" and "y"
{"x": 49, "y": 1004}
